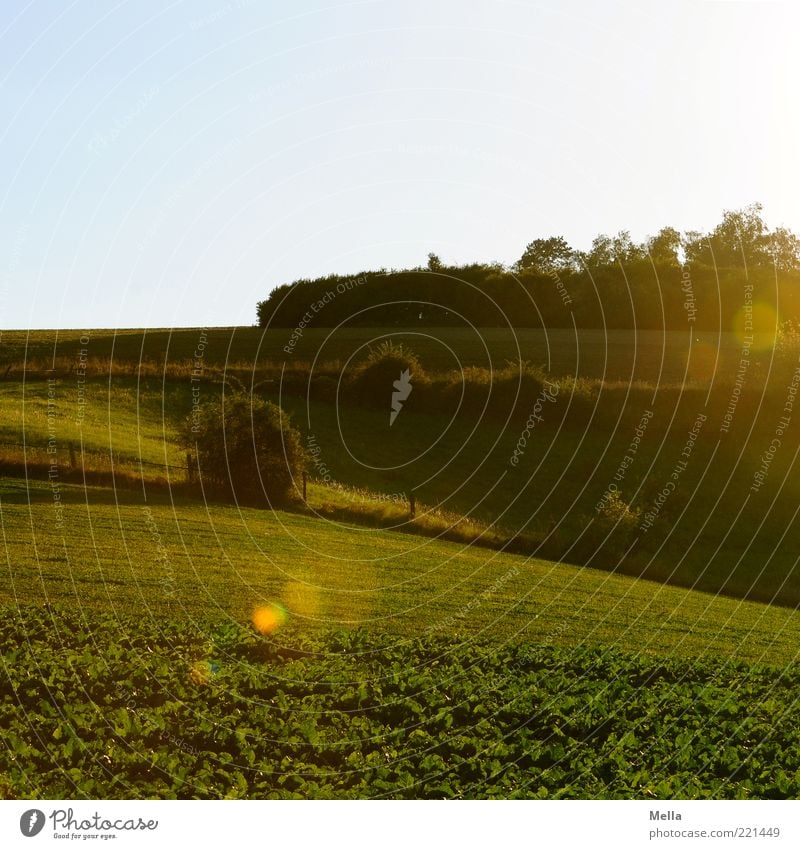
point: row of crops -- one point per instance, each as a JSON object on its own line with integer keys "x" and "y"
{"x": 100, "y": 707}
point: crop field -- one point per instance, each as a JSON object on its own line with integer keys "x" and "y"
{"x": 98, "y": 706}
{"x": 405, "y": 668}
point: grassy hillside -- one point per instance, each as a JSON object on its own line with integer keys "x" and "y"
{"x": 405, "y": 668}
{"x": 713, "y": 532}
{"x": 184, "y": 560}
{"x": 404, "y": 665}
{"x": 646, "y": 355}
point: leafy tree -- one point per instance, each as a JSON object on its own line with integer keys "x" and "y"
{"x": 741, "y": 232}
{"x": 600, "y": 252}
{"x": 741, "y": 238}
{"x": 695, "y": 246}
{"x": 625, "y": 249}
{"x": 547, "y": 255}
{"x": 246, "y": 447}
{"x": 784, "y": 248}
{"x": 609, "y": 250}
{"x": 434, "y": 263}
{"x": 664, "y": 246}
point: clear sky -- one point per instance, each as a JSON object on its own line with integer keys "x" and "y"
{"x": 168, "y": 163}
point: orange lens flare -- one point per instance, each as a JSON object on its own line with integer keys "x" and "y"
{"x": 268, "y": 618}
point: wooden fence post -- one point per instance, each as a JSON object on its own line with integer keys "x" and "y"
{"x": 412, "y": 505}
{"x": 305, "y": 479}
{"x": 189, "y": 467}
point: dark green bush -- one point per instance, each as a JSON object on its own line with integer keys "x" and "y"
{"x": 372, "y": 381}
{"x": 246, "y": 448}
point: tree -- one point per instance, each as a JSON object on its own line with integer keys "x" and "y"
{"x": 547, "y": 255}
{"x": 246, "y": 448}
{"x": 741, "y": 236}
{"x": 434, "y": 263}
{"x": 695, "y": 247}
{"x": 609, "y": 250}
{"x": 625, "y": 249}
{"x": 784, "y": 248}
{"x": 664, "y": 246}
{"x": 740, "y": 239}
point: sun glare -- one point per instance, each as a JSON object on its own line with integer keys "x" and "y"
{"x": 267, "y": 619}
{"x": 757, "y": 324}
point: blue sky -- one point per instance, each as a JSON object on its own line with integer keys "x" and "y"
{"x": 167, "y": 164}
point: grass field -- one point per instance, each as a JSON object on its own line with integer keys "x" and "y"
{"x": 406, "y": 668}
{"x": 407, "y": 665}
{"x": 611, "y": 355}
{"x": 712, "y": 533}
{"x": 185, "y": 560}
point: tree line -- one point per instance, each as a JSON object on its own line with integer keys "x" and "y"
{"x": 670, "y": 281}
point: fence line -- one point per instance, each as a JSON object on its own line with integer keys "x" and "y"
{"x": 189, "y": 469}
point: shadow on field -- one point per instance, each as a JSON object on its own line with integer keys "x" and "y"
{"x": 97, "y": 488}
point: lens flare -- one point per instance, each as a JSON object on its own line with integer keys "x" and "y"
{"x": 757, "y": 325}
{"x": 268, "y": 618}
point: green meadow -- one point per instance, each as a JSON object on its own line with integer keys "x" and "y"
{"x": 119, "y": 426}
{"x": 176, "y": 558}
{"x": 117, "y": 557}
{"x": 648, "y": 355}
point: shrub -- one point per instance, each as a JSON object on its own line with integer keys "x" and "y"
{"x": 372, "y": 381}
{"x": 617, "y": 513}
{"x": 246, "y": 448}
{"x": 606, "y": 533}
